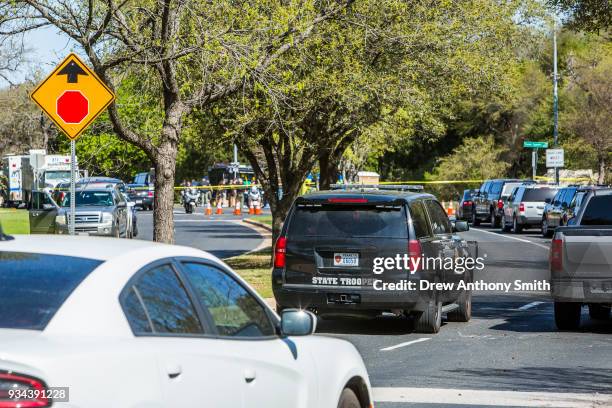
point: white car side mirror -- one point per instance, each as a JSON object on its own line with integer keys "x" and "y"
{"x": 296, "y": 322}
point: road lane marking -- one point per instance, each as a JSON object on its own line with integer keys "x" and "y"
{"x": 511, "y": 237}
{"x": 450, "y": 397}
{"x": 530, "y": 305}
{"x": 407, "y": 343}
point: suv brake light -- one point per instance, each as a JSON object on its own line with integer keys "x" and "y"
{"x": 280, "y": 250}
{"x": 467, "y": 203}
{"x": 522, "y": 207}
{"x": 556, "y": 255}
{"x": 500, "y": 204}
{"x": 415, "y": 252}
{"x": 22, "y": 384}
{"x": 150, "y": 194}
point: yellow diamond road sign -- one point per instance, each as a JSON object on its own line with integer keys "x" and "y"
{"x": 72, "y": 96}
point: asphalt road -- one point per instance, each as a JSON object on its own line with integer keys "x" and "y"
{"x": 510, "y": 354}
{"x": 508, "y": 350}
{"x": 222, "y": 235}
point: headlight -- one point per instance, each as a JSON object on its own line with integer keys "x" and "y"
{"x": 107, "y": 218}
{"x": 60, "y": 219}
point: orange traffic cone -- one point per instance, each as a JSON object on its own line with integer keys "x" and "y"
{"x": 208, "y": 209}
{"x": 219, "y": 208}
{"x": 251, "y": 209}
{"x": 257, "y": 209}
{"x": 450, "y": 211}
{"x": 237, "y": 208}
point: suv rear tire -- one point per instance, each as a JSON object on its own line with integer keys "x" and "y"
{"x": 546, "y": 232}
{"x": 516, "y": 228}
{"x": 599, "y": 311}
{"x": 464, "y": 312}
{"x": 567, "y": 315}
{"x": 430, "y": 320}
{"x": 494, "y": 220}
{"x": 475, "y": 220}
{"x": 348, "y": 399}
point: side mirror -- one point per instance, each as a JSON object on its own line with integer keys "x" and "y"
{"x": 296, "y": 322}
{"x": 461, "y": 226}
{"x": 548, "y": 201}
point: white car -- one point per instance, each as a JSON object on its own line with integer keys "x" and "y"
{"x": 122, "y": 323}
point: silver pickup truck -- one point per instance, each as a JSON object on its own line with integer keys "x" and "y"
{"x": 581, "y": 262}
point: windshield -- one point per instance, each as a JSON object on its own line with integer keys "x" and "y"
{"x": 598, "y": 211}
{"x": 349, "y": 221}
{"x": 34, "y": 286}
{"x": 90, "y": 198}
{"x": 57, "y": 175}
{"x": 508, "y": 187}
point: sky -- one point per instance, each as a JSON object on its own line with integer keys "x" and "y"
{"x": 47, "y": 46}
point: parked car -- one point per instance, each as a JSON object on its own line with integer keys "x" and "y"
{"x": 331, "y": 240}
{"x": 466, "y": 205}
{"x": 562, "y": 207}
{"x": 525, "y": 207}
{"x": 142, "y": 190}
{"x": 490, "y": 199}
{"x": 580, "y": 268}
{"x": 99, "y": 211}
{"x": 139, "y": 324}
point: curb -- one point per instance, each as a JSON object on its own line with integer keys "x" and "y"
{"x": 258, "y": 224}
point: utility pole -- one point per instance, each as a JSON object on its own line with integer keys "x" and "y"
{"x": 555, "y": 97}
{"x": 235, "y": 161}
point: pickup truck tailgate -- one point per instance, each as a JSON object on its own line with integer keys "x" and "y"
{"x": 587, "y": 252}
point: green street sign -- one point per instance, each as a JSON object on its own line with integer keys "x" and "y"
{"x": 535, "y": 145}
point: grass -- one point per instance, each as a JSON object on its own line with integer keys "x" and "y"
{"x": 264, "y": 219}
{"x": 255, "y": 269}
{"x": 14, "y": 221}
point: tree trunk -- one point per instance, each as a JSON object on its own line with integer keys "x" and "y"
{"x": 328, "y": 168}
{"x": 163, "y": 214}
{"x": 601, "y": 179}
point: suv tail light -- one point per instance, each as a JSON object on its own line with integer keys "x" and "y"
{"x": 280, "y": 250}
{"x": 347, "y": 200}
{"x": 500, "y": 204}
{"x": 556, "y": 255}
{"x": 415, "y": 251}
{"x": 22, "y": 384}
{"x": 150, "y": 194}
{"x": 522, "y": 207}
{"x": 467, "y": 203}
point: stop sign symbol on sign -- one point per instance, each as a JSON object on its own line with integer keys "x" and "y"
{"x": 72, "y": 107}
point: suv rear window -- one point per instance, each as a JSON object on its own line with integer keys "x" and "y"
{"x": 598, "y": 211}
{"x": 34, "y": 286}
{"x": 538, "y": 194}
{"x": 349, "y": 221}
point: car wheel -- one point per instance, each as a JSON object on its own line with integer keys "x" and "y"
{"x": 348, "y": 399}
{"x": 567, "y": 315}
{"x": 493, "y": 220}
{"x": 135, "y": 231}
{"x": 599, "y": 311}
{"x": 464, "y": 312}
{"x": 430, "y": 320}
{"x": 546, "y": 232}
{"x": 116, "y": 233}
{"x": 516, "y": 228}
{"x": 475, "y": 220}
{"x": 504, "y": 227}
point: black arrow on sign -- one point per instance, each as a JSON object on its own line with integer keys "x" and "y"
{"x": 72, "y": 70}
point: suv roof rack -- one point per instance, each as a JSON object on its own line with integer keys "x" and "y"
{"x": 391, "y": 187}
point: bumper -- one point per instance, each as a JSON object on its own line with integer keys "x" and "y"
{"x": 582, "y": 290}
{"x": 142, "y": 201}
{"x": 352, "y": 299}
{"x": 524, "y": 220}
{"x": 104, "y": 230}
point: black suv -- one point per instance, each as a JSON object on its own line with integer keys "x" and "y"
{"x": 331, "y": 245}
{"x": 490, "y": 199}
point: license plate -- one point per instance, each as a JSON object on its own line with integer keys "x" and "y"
{"x": 138, "y": 201}
{"x": 346, "y": 259}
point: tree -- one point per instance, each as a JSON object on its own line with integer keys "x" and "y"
{"x": 375, "y": 73}
{"x": 590, "y": 89}
{"x": 588, "y": 15}
{"x": 188, "y": 54}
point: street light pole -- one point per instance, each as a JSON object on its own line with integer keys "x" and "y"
{"x": 555, "y": 98}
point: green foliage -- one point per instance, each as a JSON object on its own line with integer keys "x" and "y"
{"x": 588, "y": 15}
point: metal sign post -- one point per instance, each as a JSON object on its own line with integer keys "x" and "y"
{"x": 72, "y": 216}
{"x": 534, "y": 163}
